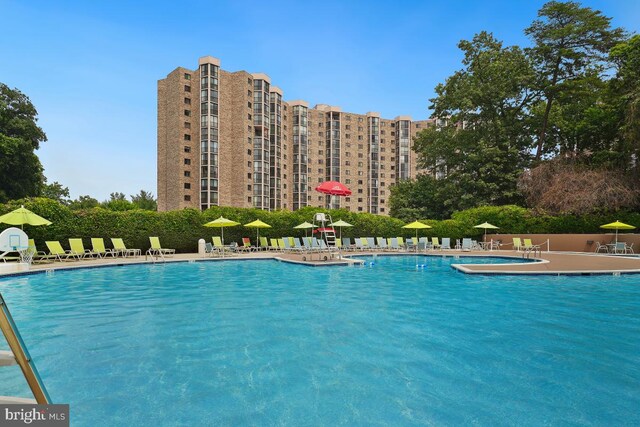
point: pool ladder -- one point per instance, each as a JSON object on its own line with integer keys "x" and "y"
{"x": 19, "y": 355}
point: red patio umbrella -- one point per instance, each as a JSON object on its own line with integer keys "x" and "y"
{"x": 333, "y": 188}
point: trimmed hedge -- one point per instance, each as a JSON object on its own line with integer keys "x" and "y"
{"x": 182, "y": 229}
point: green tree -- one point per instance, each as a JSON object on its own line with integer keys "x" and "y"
{"x": 570, "y": 42}
{"x": 480, "y": 154}
{"x": 84, "y": 202}
{"x": 118, "y": 202}
{"x": 55, "y": 191}
{"x": 627, "y": 86}
{"x": 20, "y": 169}
{"x": 145, "y": 200}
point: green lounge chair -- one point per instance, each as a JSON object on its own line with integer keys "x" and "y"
{"x": 217, "y": 243}
{"x": 119, "y": 248}
{"x": 77, "y": 248}
{"x": 273, "y": 245}
{"x": 98, "y": 248}
{"x": 401, "y": 243}
{"x": 435, "y": 243}
{"x": 36, "y": 255}
{"x": 246, "y": 245}
{"x": 517, "y": 244}
{"x": 264, "y": 244}
{"x": 57, "y": 253}
{"x": 530, "y": 246}
{"x": 156, "y": 248}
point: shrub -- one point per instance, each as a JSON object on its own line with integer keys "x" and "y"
{"x": 182, "y": 229}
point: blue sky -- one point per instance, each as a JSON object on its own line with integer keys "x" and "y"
{"x": 91, "y": 68}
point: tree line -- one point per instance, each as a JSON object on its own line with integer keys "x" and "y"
{"x": 553, "y": 126}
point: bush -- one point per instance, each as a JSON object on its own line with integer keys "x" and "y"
{"x": 182, "y": 229}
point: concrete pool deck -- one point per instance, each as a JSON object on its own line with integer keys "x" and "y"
{"x": 548, "y": 262}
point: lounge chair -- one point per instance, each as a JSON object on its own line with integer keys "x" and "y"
{"x": 307, "y": 243}
{"x": 246, "y": 245}
{"x": 287, "y": 247}
{"x": 424, "y": 244}
{"x": 446, "y": 243}
{"x": 435, "y": 242}
{"x": 281, "y": 246}
{"x": 98, "y": 248}
{"x": 371, "y": 244}
{"x": 36, "y": 255}
{"x": 601, "y": 248}
{"x": 120, "y": 248}
{"x": 156, "y": 248}
{"x": 211, "y": 250}
{"x": 528, "y": 246}
{"x": 217, "y": 243}
{"x": 467, "y": 244}
{"x": 338, "y": 243}
{"x": 264, "y": 244}
{"x": 359, "y": 245}
{"x": 57, "y": 252}
{"x": 382, "y": 244}
{"x": 298, "y": 245}
{"x": 346, "y": 244}
{"x": 77, "y": 249}
{"x": 273, "y": 245}
{"x": 401, "y": 244}
{"x": 517, "y": 244}
{"x": 393, "y": 244}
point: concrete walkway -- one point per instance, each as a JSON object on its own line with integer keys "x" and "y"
{"x": 548, "y": 263}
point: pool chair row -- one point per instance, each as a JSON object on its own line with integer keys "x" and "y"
{"x": 286, "y": 244}
{"x": 77, "y": 250}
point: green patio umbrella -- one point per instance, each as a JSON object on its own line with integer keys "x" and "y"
{"x": 617, "y": 226}
{"x": 340, "y": 224}
{"x": 486, "y": 227}
{"x": 221, "y": 223}
{"x": 417, "y": 225}
{"x": 306, "y": 226}
{"x": 23, "y": 216}
{"x": 257, "y": 224}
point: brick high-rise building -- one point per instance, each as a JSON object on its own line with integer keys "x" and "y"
{"x": 229, "y": 139}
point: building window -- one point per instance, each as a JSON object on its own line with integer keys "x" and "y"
{"x": 187, "y": 101}
{"x": 187, "y": 149}
{"x": 187, "y": 125}
{"x": 187, "y": 186}
{"x": 359, "y": 137}
{"x": 347, "y": 136}
{"x": 359, "y": 199}
{"x": 187, "y": 161}
{"x": 417, "y": 125}
{"x": 187, "y": 76}
{"x": 348, "y": 127}
{"x": 249, "y": 104}
{"x": 187, "y": 112}
{"x": 360, "y": 119}
{"x": 187, "y": 137}
{"x": 187, "y": 174}
{"x": 187, "y": 198}
{"x": 187, "y": 88}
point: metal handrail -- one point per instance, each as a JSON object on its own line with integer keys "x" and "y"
{"x": 21, "y": 354}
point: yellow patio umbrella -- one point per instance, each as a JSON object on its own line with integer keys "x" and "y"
{"x": 340, "y": 224}
{"x": 617, "y": 226}
{"x": 257, "y": 224}
{"x": 486, "y": 226}
{"x": 23, "y": 216}
{"x": 221, "y": 223}
{"x": 306, "y": 226}
{"x": 417, "y": 225}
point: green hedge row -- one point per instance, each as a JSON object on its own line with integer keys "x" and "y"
{"x": 182, "y": 229}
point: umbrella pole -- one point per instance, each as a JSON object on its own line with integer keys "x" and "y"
{"x": 222, "y": 234}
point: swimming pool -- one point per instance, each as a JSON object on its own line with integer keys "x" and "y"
{"x": 263, "y": 343}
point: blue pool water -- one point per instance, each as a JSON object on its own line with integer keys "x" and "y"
{"x": 267, "y": 343}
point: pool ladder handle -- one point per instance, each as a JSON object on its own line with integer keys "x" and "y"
{"x": 19, "y": 355}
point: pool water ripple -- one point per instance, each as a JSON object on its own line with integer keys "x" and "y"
{"x": 267, "y": 343}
